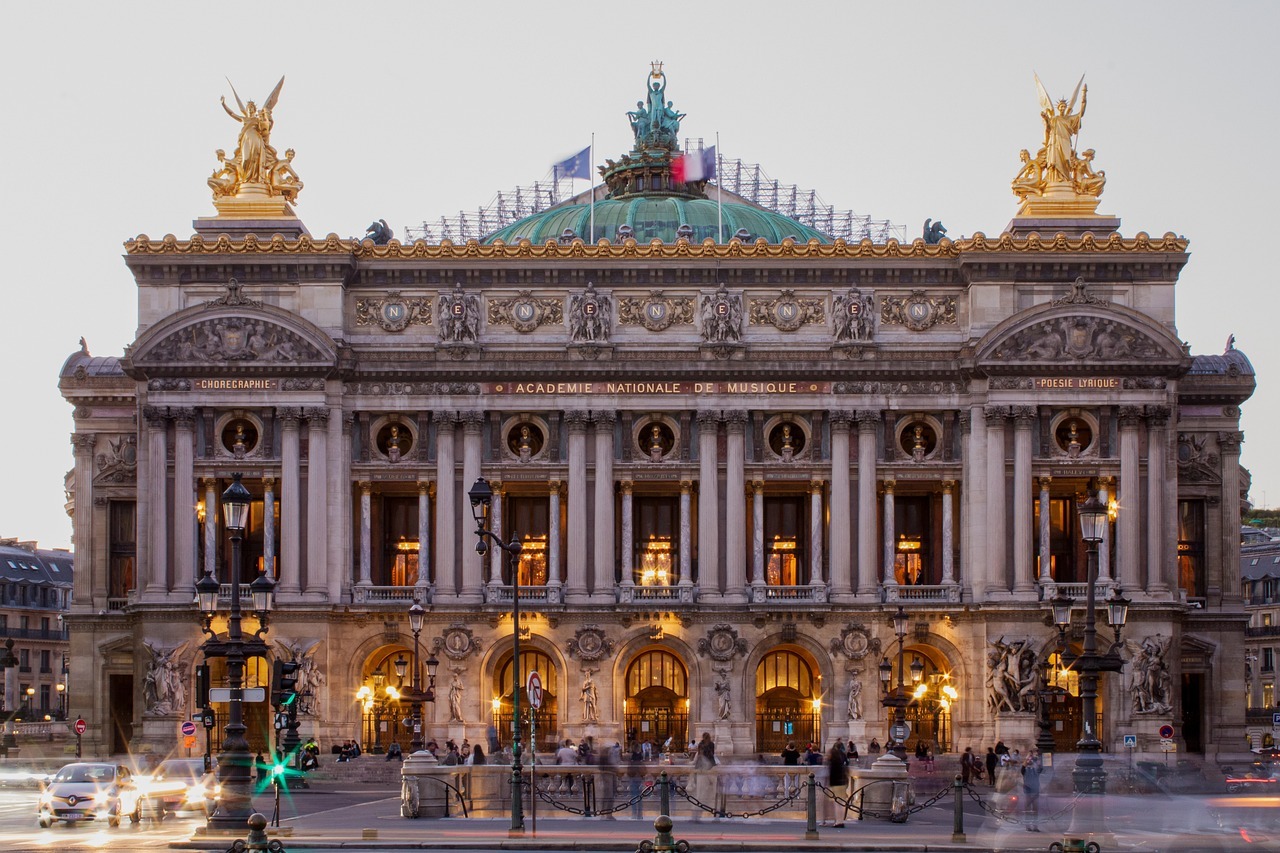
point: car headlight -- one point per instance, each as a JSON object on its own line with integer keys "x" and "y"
{"x": 196, "y": 794}
{"x": 46, "y": 798}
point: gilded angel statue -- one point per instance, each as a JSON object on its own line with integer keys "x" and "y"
{"x": 255, "y": 162}
{"x": 1060, "y": 129}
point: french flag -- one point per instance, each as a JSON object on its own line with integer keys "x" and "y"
{"x": 694, "y": 166}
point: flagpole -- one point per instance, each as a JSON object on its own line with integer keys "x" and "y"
{"x": 591, "y": 159}
{"x": 719, "y": 194}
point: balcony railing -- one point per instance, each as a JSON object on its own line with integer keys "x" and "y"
{"x": 501, "y": 594}
{"x": 770, "y": 594}
{"x": 686, "y": 594}
{"x": 391, "y": 594}
{"x": 939, "y": 592}
{"x": 1262, "y": 631}
{"x": 34, "y": 633}
{"x": 1078, "y": 591}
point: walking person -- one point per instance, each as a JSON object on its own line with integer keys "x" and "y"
{"x": 704, "y": 768}
{"x": 967, "y": 762}
{"x": 1031, "y": 769}
{"x": 992, "y": 760}
{"x": 635, "y": 780}
{"x": 838, "y": 781}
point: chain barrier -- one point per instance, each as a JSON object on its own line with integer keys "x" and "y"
{"x": 1002, "y": 815}
{"x": 646, "y": 791}
{"x": 792, "y": 794}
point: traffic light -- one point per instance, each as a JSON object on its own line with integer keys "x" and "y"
{"x": 202, "y": 685}
{"x": 284, "y": 683}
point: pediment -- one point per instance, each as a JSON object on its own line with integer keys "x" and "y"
{"x": 1067, "y": 336}
{"x": 230, "y": 337}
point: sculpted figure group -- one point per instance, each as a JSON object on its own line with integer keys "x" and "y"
{"x": 1057, "y": 165}
{"x": 255, "y": 161}
{"x": 1011, "y": 671}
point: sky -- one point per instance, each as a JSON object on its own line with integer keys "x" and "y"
{"x": 410, "y": 111}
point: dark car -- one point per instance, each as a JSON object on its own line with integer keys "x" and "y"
{"x": 89, "y": 791}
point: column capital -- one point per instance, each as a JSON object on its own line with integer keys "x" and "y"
{"x": 1130, "y": 416}
{"x": 841, "y": 419}
{"x": 446, "y": 422}
{"x": 318, "y": 416}
{"x": 757, "y": 486}
{"x": 888, "y": 486}
{"x": 184, "y": 417}
{"x": 83, "y": 441}
{"x": 1230, "y": 441}
{"x": 425, "y": 487}
{"x": 604, "y": 419}
{"x": 1024, "y": 417}
{"x": 576, "y": 420}
{"x": 626, "y": 486}
{"x": 269, "y": 483}
{"x": 208, "y": 483}
{"x": 289, "y": 417}
{"x": 1106, "y": 482}
{"x": 868, "y": 420}
{"x": 348, "y": 421}
{"x": 1045, "y": 481}
{"x": 472, "y": 421}
{"x": 948, "y": 486}
{"x": 965, "y": 420}
{"x": 995, "y": 415}
{"x": 496, "y": 485}
{"x": 815, "y": 486}
{"x": 366, "y": 487}
{"x": 736, "y": 420}
{"x": 708, "y": 419}
{"x": 686, "y": 487}
{"x": 155, "y": 416}
{"x": 1158, "y": 416}
{"x": 554, "y": 487}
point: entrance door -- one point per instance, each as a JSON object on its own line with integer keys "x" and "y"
{"x": 120, "y": 701}
{"x": 1192, "y": 716}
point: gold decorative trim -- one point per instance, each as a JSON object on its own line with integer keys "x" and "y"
{"x": 979, "y": 243}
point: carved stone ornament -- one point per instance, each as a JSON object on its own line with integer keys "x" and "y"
{"x": 458, "y": 317}
{"x": 233, "y": 296}
{"x": 918, "y": 311}
{"x": 1076, "y": 339}
{"x": 722, "y": 643}
{"x": 1079, "y": 295}
{"x": 393, "y": 313}
{"x": 1196, "y": 463}
{"x": 232, "y": 339}
{"x": 525, "y": 313}
{"x": 786, "y": 313}
{"x": 120, "y": 463}
{"x": 853, "y": 316}
{"x": 722, "y": 317}
{"x": 590, "y": 317}
{"x": 457, "y": 642}
{"x": 917, "y": 387}
{"x": 657, "y": 312}
{"x": 589, "y": 644}
{"x": 855, "y": 642}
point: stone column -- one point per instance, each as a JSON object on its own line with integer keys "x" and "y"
{"x": 708, "y": 503}
{"x": 338, "y": 508}
{"x": 366, "y": 534}
{"x": 757, "y": 532}
{"x": 157, "y": 502}
{"x": 576, "y": 587}
{"x": 472, "y": 591}
{"x": 1229, "y": 447}
{"x": 496, "y": 555}
{"x": 1130, "y": 518}
{"x": 318, "y": 502}
{"x": 553, "y": 534}
{"x": 447, "y": 507}
{"x": 841, "y": 519}
{"x": 735, "y": 516}
{"x": 269, "y": 526}
{"x": 1024, "y": 419}
{"x": 603, "y": 586}
{"x": 424, "y": 539}
{"x": 210, "y": 486}
{"x": 973, "y": 507}
{"x": 184, "y": 487}
{"x": 82, "y": 526}
{"x": 948, "y": 532}
{"x": 1046, "y": 557}
{"x": 997, "y": 530}
{"x": 686, "y": 533}
{"x": 1106, "y": 487}
{"x": 815, "y": 533}
{"x": 868, "y": 423}
{"x": 290, "y": 503}
{"x": 890, "y": 537}
{"x": 1159, "y": 564}
{"x": 628, "y": 536}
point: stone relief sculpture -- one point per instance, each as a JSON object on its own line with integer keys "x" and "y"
{"x": 854, "y": 316}
{"x": 232, "y": 339}
{"x": 1011, "y": 681}
{"x": 310, "y": 679}
{"x": 120, "y": 463}
{"x": 722, "y": 317}
{"x": 590, "y": 319}
{"x": 456, "y": 688}
{"x": 1152, "y": 682}
{"x": 724, "y": 694}
{"x": 1076, "y": 338}
{"x": 459, "y": 316}
{"x": 855, "y": 694}
{"x": 164, "y": 689}
{"x": 590, "y": 698}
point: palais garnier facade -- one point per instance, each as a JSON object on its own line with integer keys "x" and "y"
{"x": 731, "y": 444}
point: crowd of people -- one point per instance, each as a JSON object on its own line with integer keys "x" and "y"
{"x": 1005, "y": 770}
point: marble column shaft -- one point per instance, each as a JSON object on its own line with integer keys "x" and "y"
{"x": 447, "y": 507}
{"x": 210, "y": 526}
{"x": 184, "y": 489}
{"x": 948, "y": 532}
{"x": 157, "y": 500}
{"x": 424, "y": 536}
{"x": 269, "y": 526}
{"x": 868, "y": 422}
{"x": 472, "y": 563}
{"x": 996, "y": 573}
{"x": 841, "y": 519}
{"x": 496, "y": 527}
{"x": 1046, "y": 556}
{"x": 576, "y": 583}
{"x": 603, "y": 520}
{"x": 553, "y": 533}
{"x": 628, "y": 537}
{"x": 889, "y": 537}
{"x": 735, "y": 548}
{"x": 317, "y": 501}
{"x": 815, "y": 533}
{"x": 1158, "y": 571}
{"x": 82, "y": 528}
{"x": 290, "y": 503}
{"x": 686, "y": 533}
{"x": 973, "y": 565}
{"x": 708, "y": 503}
{"x": 1130, "y": 518}
{"x": 366, "y": 534}
{"x": 1105, "y": 487}
{"x": 1023, "y": 571}
{"x": 1229, "y": 595}
{"x": 757, "y": 532}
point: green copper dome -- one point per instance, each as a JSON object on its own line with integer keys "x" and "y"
{"x": 656, "y": 217}
{"x": 649, "y": 198}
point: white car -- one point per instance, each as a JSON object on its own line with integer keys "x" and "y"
{"x": 178, "y": 785}
{"x": 89, "y": 791}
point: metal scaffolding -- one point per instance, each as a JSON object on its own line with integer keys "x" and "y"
{"x": 747, "y": 180}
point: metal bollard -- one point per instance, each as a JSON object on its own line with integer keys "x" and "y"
{"x": 811, "y": 810}
{"x": 664, "y": 795}
{"x": 957, "y": 825}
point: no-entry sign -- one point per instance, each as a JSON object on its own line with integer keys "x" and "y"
{"x": 81, "y": 726}
{"x": 534, "y": 685}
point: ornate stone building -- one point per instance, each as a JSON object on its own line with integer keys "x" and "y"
{"x": 729, "y": 459}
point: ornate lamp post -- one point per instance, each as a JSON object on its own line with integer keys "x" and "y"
{"x": 898, "y": 699}
{"x": 235, "y": 762}
{"x": 481, "y": 499}
{"x": 415, "y": 694}
{"x": 1089, "y": 778}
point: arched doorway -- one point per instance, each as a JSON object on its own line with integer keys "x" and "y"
{"x": 385, "y": 674}
{"x": 788, "y": 706}
{"x": 545, "y": 730}
{"x": 932, "y": 690}
{"x": 657, "y": 700}
{"x": 1064, "y": 702}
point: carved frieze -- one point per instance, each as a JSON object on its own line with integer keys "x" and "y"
{"x": 722, "y": 317}
{"x": 458, "y": 317}
{"x": 918, "y": 311}
{"x": 1080, "y": 295}
{"x": 590, "y": 317}
{"x": 657, "y": 312}
{"x": 393, "y": 313}
{"x": 787, "y": 312}
{"x": 854, "y": 316}
{"x": 378, "y": 389}
{"x": 589, "y": 643}
{"x": 120, "y": 463}
{"x": 525, "y": 312}
{"x": 233, "y": 296}
{"x": 1196, "y": 463}
{"x": 232, "y": 339}
{"x": 918, "y": 387}
{"x": 722, "y": 643}
{"x": 1076, "y": 339}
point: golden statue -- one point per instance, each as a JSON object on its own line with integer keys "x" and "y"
{"x": 1057, "y": 181}
{"x": 254, "y": 182}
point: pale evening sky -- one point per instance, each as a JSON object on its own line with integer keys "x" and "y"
{"x": 410, "y": 111}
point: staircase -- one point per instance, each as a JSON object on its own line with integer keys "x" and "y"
{"x": 365, "y": 770}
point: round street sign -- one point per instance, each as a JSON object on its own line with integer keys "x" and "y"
{"x": 1166, "y": 731}
{"x": 188, "y": 727}
{"x": 899, "y": 731}
{"x": 81, "y": 726}
{"x": 534, "y": 685}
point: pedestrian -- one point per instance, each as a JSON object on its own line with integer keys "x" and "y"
{"x": 635, "y": 780}
{"x": 853, "y": 754}
{"x": 790, "y": 755}
{"x": 838, "y": 783}
{"x": 812, "y": 757}
{"x": 477, "y": 756}
{"x": 928, "y": 761}
{"x": 646, "y": 749}
{"x": 607, "y": 781}
{"x": 394, "y": 753}
{"x": 704, "y": 767}
{"x": 873, "y": 749}
{"x": 993, "y": 759}
{"x": 967, "y": 762}
{"x": 1031, "y": 790}
{"x": 567, "y": 755}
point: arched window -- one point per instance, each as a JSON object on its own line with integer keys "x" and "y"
{"x": 785, "y": 701}
{"x": 657, "y": 703}
{"x": 502, "y": 703}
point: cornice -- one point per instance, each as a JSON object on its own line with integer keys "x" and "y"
{"x": 978, "y": 244}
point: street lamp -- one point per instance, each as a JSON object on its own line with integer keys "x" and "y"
{"x": 1089, "y": 778}
{"x": 415, "y": 695}
{"x": 235, "y": 762}
{"x": 481, "y": 500}
{"x": 898, "y": 699}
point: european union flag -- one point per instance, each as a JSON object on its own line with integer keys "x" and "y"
{"x": 577, "y": 166}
